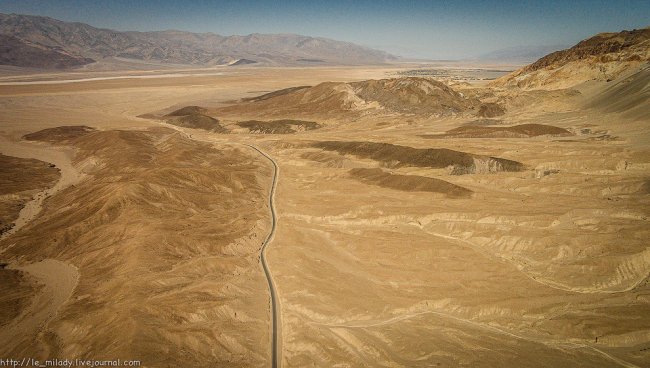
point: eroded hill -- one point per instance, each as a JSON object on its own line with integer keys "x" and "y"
{"x": 602, "y": 57}
{"x": 164, "y": 232}
{"x": 408, "y": 95}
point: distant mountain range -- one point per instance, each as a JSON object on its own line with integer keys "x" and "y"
{"x": 43, "y": 42}
{"x": 519, "y": 54}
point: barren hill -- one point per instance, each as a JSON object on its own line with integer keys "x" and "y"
{"x": 164, "y": 237}
{"x": 413, "y": 95}
{"x": 410, "y": 95}
{"x": 602, "y": 57}
{"x": 83, "y": 42}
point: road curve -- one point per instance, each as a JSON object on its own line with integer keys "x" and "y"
{"x": 275, "y": 306}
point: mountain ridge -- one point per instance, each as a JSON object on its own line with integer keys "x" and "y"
{"x": 84, "y": 41}
{"x": 602, "y": 57}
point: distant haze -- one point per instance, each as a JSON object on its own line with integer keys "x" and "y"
{"x": 520, "y": 54}
{"x": 424, "y": 29}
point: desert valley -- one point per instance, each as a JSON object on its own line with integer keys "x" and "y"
{"x": 322, "y": 208}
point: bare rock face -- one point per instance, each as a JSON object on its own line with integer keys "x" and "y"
{"x": 602, "y": 57}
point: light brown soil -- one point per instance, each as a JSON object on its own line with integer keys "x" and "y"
{"x": 628, "y": 96}
{"x": 529, "y": 271}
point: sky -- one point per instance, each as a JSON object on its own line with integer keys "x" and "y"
{"x": 420, "y": 29}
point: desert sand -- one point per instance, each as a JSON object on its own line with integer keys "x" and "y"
{"x": 412, "y": 231}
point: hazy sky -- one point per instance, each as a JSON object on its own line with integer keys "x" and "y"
{"x": 431, "y": 29}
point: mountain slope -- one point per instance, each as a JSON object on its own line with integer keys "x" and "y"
{"x": 629, "y": 96}
{"x": 16, "y": 52}
{"x": 602, "y": 57}
{"x": 177, "y": 47}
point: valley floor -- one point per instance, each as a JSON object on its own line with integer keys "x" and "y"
{"x": 160, "y": 235}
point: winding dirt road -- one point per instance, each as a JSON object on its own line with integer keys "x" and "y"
{"x": 275, "y": 306}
